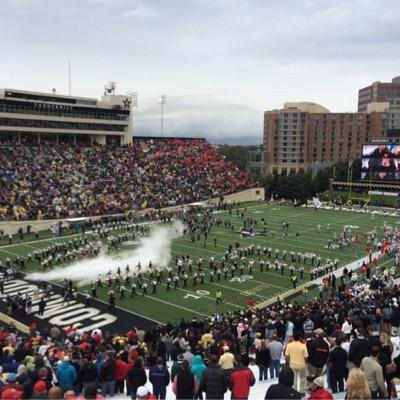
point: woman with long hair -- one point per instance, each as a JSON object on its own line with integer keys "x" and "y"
{"x": 263, "y": 359}
{"x": 185, "y": 385}
{"x": 385, "y": 360}
{"x": 357, "y": 386}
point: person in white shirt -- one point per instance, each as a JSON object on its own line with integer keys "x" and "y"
{"x": 347, "y": 326}
{"x": 395, "y": 340}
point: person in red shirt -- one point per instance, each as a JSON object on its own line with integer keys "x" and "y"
{"x": 250, "y": 302}
{"x": 121, "y": 371}
{"x": 143, "y": 393}
{"x": 317, "y": 390}
{"x": 240, "y": 380}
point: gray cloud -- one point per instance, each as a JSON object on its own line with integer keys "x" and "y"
{"x": 239, "y": 57}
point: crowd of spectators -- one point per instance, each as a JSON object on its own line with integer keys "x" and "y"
{"x": 57, "y": 181}
{"x": 347, "y": 341}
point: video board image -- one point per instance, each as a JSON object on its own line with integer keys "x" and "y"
{"x": 380, "y": 162}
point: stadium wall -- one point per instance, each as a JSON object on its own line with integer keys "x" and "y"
{"x": 11, "y": 227}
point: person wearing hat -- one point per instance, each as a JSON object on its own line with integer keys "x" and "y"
{"x": 11, "y": 387}
{"x": 316, "y": 388}
{"x": 40, "y": 390}
{"x": 142, "y": 393}
{"x": 176, "y": 366}
{"x": 318, "y": 352}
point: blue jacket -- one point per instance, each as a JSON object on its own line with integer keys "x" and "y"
{"x": 159, "y": 377}
{"x": 66, "y": 375}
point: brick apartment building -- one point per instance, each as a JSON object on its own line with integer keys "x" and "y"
{"x": 379, "y": 92}
{"x": 306, "y": 136}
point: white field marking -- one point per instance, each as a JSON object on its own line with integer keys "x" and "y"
{"x": 66, "y": 237}
{"x": 351, "y": 267}
{"x": 173, "y": 304}
{"x": 259, "y": 240}
{"x": 306, "y": 230}
{"x": 153, "y": 298}
{"x": 322, "y": 251}
{"x": 187, "y": 309}
{"x": 241, "y": 291}
{"x": 189, "y": 291}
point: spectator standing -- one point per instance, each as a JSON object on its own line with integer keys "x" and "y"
{"x": 317, "y": 390}
{"x": 185, "y": 385}
{"x": 159, "y": 378}
{"x": 227, "y": 360}
{"x": 337, "y": 366}
{"x": 143, "y": 393}
{"x": 66, "y": 375}
{"x": 283, "y": 390}
{"x": 198, "y": 369}
{"x": 296, "y": 355}
{"x": 374, "y": 374}
{"x": 136, "y": 377}
{"x": 357, "y": 386}
{"x": 240, "y": 380}
{"x": 275, "y": 348}
{"x": 318, "y": 353}
{"x": 213, "y": 382}
{"x": 188, "y": 355}
{"x": 176, "y": 366}
{"x": 107, "y": 376}
{"x": 263, "y": 359}
{"x": 89, "y": 374}
{"x": 359, "y": 348}
{"x": 12, "y": 387}
{"x": 121, "y": 370}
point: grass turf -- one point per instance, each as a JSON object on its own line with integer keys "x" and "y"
{"x": 199, "y": 301}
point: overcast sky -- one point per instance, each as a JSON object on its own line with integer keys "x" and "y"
{"x": 220, "y": 62}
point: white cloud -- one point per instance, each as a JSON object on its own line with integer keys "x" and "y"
{"x": 252, "y": 54}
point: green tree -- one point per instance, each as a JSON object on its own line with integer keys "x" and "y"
{"x": 236, "y": 154}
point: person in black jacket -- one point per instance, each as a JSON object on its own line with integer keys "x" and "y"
{"x": 159, "y": 377}
{"x": 107, "y": 376}
{"x": 283, "y": 389}
{"x": 136, "y": 377}
{"x": 359, "y": 348}
{"x": 89, "y": 374}
{"x": 213, "y": 381}
{"x": 337, "y": 366}
{"x": 318, "y": 353}
{"x": 185, "y": 382}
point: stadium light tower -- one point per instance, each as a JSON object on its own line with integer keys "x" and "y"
{"x": 162, "y": 100}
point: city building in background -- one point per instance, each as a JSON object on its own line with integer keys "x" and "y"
{"x": 305, "y": 136}
{"x": 380, "y": 92}
{"x": 51, "y": 117}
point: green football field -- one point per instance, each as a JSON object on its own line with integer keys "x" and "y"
{"x": 199, "y": 301}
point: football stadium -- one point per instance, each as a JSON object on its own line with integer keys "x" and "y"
{"x": 160, "y": 254}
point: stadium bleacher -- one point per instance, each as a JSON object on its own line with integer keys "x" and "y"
{"x": 58, "y": 180}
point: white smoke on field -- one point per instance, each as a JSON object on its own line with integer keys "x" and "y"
{"x": 155, "y": 248}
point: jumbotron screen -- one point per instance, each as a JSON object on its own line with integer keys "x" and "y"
{"x": 380, "y": 162}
